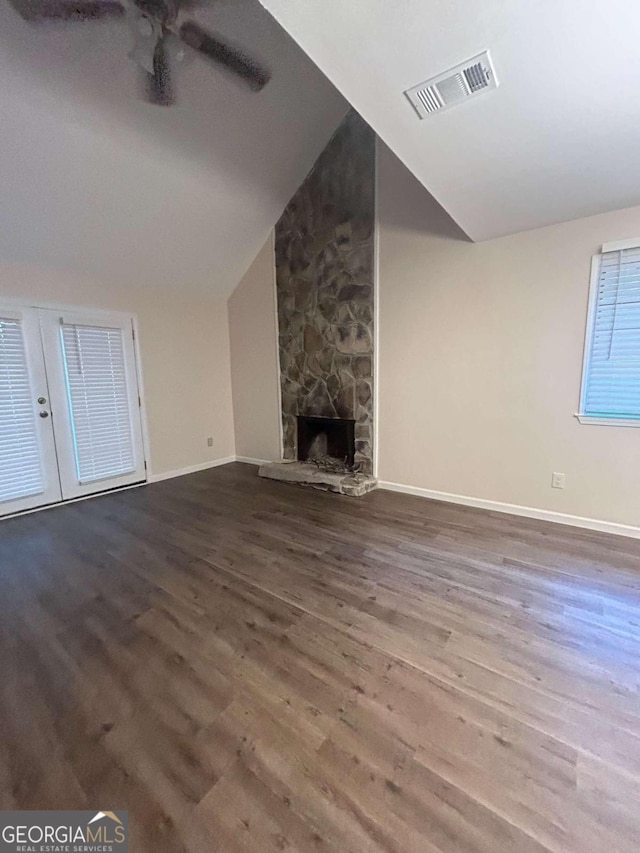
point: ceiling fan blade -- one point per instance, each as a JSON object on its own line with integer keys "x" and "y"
{"x": 159, "y": 89}
{"x": 67, "y": 10}
{"x": 199, "y": 39}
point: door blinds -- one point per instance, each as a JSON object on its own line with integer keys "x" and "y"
{"x": 101, "y": 419}
{"x": 20, "y": 465}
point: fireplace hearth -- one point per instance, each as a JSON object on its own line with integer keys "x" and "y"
{"x": 326, "y": 458}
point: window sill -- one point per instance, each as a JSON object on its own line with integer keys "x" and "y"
{"x": 599, "y": 420}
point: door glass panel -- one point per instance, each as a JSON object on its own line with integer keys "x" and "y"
{"x": 98, "y": 395}
{"x": 21, "y": 472}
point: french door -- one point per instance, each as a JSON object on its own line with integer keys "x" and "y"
{"x": 69, "y": 406}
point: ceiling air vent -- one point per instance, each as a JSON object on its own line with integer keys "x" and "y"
{"x": 458, "y": 84}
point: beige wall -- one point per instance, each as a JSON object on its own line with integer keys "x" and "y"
{"x": 184, "y": 350}
{"x": 480, "y": 360}
{"x": 254, "y": 368}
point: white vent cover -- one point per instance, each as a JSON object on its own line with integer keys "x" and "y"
{"x": 458, "y": 84}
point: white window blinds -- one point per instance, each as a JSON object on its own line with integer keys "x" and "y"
{"x": 20, "y": 466}
{"x": 611, "y": 382}
{"x": 98, "y": 401}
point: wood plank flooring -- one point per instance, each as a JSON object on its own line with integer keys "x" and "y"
{"x": 246, "y": 665}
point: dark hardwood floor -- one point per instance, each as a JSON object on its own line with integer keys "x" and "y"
{"x": 250, "y": 666}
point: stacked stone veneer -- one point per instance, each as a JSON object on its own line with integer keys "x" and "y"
{"x": 324, "y": 274}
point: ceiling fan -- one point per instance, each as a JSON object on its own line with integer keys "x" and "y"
{"x": 158, "y": 38}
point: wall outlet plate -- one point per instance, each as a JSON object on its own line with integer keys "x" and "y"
{"x": 557, "y": 480}
{"x": 209, "y": 442}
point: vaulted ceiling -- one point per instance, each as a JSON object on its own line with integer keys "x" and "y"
{"x": 97, "y": 182}
{"x": 559, "y": 139}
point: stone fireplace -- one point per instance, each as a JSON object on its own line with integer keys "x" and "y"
{"x": 324, "y": 254}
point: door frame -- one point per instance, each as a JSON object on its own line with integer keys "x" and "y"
{"x": 63, "y": 419}
{"x": 16, "y": 304}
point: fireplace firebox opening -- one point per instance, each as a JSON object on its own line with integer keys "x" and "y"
{"x": 327, "y": 441}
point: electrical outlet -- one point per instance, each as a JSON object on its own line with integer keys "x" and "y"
{"x": 209, "y": 442}
{"x": 557, "y": 480}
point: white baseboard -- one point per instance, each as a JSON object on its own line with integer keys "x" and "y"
{"x": 192, "y": 469}
{"x": 516, "y": 509}
{"x": 463, "y": 500}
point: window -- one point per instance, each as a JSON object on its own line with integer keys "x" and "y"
{"x": 611, "y": 373}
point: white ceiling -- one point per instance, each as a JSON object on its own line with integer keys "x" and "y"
{"x": 559, "y": 139}
{"x": 99, "y": 183}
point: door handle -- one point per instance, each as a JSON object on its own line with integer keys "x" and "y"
{"x": 44, "y": 414}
